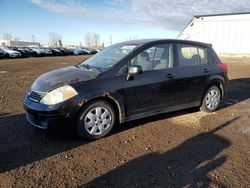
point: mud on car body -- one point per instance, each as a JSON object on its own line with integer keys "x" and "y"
{"x": 127, "y": 81}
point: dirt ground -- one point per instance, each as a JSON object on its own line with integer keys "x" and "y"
{"x": 182, "y": 149}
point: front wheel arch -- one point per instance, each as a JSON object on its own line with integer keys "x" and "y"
{"x": 112, "y": 102}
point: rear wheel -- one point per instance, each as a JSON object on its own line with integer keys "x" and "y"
{"x": 96, "y": 120}
{"x": 7, "y": 56}
{"x": 211, "y": 99}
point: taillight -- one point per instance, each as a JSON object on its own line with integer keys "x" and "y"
{"x": 223, "y": 67}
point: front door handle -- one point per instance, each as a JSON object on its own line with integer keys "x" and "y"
{"x": 206, "y": 71}
{"x": 170, "y": 75}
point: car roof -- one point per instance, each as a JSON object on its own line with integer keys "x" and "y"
{"x": 142, "y": 42}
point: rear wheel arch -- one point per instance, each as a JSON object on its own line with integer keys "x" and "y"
{"x": 219, "y": 84}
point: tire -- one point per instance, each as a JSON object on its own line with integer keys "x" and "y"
{"x": 211, "y": 99}
{"x": 95, "y": 120}
{"x": 7, "y": 56}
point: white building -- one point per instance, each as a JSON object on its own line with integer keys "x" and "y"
{"x": 19, "y": 43}
{"x": 4, "y": 42}
{"x": 228, "y": 33}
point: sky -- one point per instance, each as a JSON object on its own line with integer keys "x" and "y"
{"x": 120, "y": 20}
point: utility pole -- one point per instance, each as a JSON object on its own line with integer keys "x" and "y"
{"x": 33, "y": 38}
{"x": 111, "y": 40}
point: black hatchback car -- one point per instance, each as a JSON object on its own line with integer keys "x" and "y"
{"x": 128, "y": 81}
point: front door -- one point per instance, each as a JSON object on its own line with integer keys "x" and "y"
{"x": 142, "y": 93}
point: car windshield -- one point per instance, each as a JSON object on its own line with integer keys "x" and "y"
{"x": 3, "y": 48}
{"x": 107, "y": 58}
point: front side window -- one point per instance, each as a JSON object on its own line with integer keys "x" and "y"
{"x": 189, "y": 55}
{"x": 155, "y": 58}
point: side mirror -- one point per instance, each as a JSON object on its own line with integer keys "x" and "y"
{"x": 132, "y": 71}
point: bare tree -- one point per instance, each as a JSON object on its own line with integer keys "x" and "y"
{"x": 92, "y": 39}
{"x": 88, "y": 39}
{"x": 7, "y": 36}
{"x": 16, "y": 38}
{"x": 133, "y": 37}
{"x": 55, "y": 39}
{"x": 95, "y": 39}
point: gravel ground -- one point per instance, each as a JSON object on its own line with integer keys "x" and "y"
{"x": 182, "y": 149}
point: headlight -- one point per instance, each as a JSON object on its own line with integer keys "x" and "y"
{"x": 59, "y": 95}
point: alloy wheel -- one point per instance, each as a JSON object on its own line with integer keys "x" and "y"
{"x": 97, "y": 121}
{"x": 213, "y": 99}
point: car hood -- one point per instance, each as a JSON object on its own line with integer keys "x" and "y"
{"x": 11, "y": 51}
{"x": 37, "y": 50}
{"x": 64, "y": 76}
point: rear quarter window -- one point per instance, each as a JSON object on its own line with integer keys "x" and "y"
{"x": 214, "y": 58}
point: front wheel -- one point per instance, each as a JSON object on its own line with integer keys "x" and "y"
{"x": 211, "y": 99}
{"x": 96, "y": 120}
{"x": 7, "y": 56}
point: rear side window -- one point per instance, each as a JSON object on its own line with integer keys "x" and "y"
{"x": 203, "y": 55}
{"x": 189, "y": 55}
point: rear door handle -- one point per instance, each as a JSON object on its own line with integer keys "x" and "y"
{"x": 206, "y": 71}
{"x": 170, "y": 75}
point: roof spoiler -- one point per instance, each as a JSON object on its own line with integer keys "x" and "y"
{"x": 210, "y": 45}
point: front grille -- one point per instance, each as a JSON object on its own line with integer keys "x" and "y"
{"x": 36, "y": 96}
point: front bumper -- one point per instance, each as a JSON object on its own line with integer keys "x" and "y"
{"x": 43, "y": 116}
{"x": 43, "y": 122}
{"x": 15, "y": 55}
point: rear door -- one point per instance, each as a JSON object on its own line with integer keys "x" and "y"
{"x": 192, "y": 71}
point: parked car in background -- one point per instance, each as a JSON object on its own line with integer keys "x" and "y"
{"x": 93, "y": 51}
{"x": 23, "y": 51}
{"x": 46, "y": 51}
{"x": 8, "y": 53}
{"x": 86, "y": 50}
{"x": 66, "y": 51}
{"x": 2, "y": 54}
{"x": 41, "y": 52}
{"x": 56, "y": 52}
{"x": 81, "y": 52}
{"x": 71, "y": 51}
{"x": 90, "y": 50}
{"x": 29, "y": 51}
{"x": 37, "y": 51}
{"x": 98, "y": 50}
{"x": 128, "y": 81}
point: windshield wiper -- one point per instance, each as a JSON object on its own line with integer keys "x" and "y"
{"x": 86, "y": 66}
{"x": 96, "y": 68}
{"x": 90, "y": 67}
